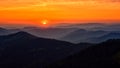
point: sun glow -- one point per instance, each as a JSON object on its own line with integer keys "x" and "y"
{"x": 50, "y": 12}
{"x": 44, "y": 23}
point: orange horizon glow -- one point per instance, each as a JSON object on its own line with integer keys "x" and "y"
{"x": 32, "y": 12}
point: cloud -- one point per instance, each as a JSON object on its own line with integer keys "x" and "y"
{"x": 23, "y": 4}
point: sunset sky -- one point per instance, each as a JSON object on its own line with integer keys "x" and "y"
{"x": 35, "y": 12}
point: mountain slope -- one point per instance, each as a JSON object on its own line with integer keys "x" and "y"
{"x": 23, "y": 50}
{"x": 83, "y": 35}
{"x": 4, "y": 31}
{"x": 55, "y": 33}
{"x": 111, "y": 35}
{"x": 103, "y": 55}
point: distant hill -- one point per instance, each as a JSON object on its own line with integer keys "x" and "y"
{"x": 112, "y": 35}
{"x": 88, "y": 26}
{"x": 103, "y": 55}
{"x": 4, "y": 31}
{"x": 94, "y": 26}
{"x": 83, "y": 35}
{"x": 98, "y": 36}
{"x": 55, "y": 33}
{"x": 73, "y": 35}
{"x": 23, "y": 50}
{"x": 16, "y": 38}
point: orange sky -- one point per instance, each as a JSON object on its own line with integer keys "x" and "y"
{"x": 56, "y": 11}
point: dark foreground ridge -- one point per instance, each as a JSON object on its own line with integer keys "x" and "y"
{"x": 23, "y": 50}
{"x": 103, "y": 55}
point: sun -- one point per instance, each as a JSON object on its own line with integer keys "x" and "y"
{"x": 44, "y": 22}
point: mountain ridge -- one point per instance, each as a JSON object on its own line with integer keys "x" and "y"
{"x": 101, "y": 55}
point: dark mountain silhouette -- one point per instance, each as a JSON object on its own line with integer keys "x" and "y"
{"x": 15, "y": 38}
{"x": 103, "y": 55}
{"x": 23, "y": 50}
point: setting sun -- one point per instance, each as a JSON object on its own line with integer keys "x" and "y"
{"x": 44, "y": 22}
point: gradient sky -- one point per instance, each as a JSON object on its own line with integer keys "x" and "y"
{"x": 34, "y": 12}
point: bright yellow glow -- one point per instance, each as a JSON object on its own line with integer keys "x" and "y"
{"x": 44, "y": 22}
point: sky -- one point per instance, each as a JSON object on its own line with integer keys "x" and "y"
{"x": 37, "y": 12}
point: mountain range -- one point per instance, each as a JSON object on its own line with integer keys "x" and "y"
{"x": 4, "y": 31}
{"x": 102, "y": 55}
{"x": 73, "y": 35}
{"x": 54, "y": 33}
{"x": 82, "y": 35}
{"x": 23, "y": 50}
{"x": 93, "y": 26}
